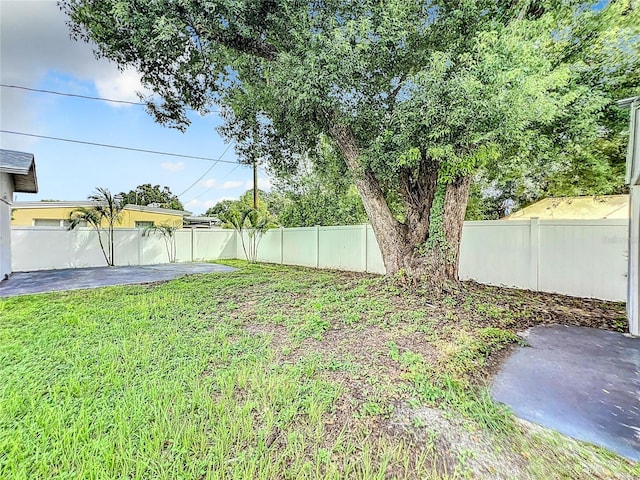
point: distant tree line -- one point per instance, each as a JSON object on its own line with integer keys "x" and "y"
{"x": 147, "y": 194}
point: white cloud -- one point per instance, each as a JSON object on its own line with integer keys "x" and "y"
{"x": 264, "y": 183}
{"x": 34, "y": 43}
{"x": 213, "y": 183}
{"x": 172, "y": 167}
{"x": 200, "y": 206}
{"x": 209, "y": 183}
{"x": 193, "y": 203}
{"x": 228, "y": 185}
{"x": 221, "y": 199}
{"x": 122, "y": 87}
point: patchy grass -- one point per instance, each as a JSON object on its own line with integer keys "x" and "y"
{"x": 276, "y": 372}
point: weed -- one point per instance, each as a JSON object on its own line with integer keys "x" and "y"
{"x": 309, "y": 326}
{"x": 417, "y": 422}
{"x": 449, "y": 301}
{"x": 374, "y": 409}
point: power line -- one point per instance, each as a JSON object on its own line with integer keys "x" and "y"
{"x": 106, "y": 145}
{"x": 209, "y": 188}
{"x": 207, "y": 171}
{"x": 85, "y": 97}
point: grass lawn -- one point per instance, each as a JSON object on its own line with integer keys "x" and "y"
{"x": 276, "y": 372}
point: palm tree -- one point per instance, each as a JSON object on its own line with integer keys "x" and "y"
{"x": 167, "y": 232}
{"x": 104, "y": 213}
{"x": 252, "y": 221}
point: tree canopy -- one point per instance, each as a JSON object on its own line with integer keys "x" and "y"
{"x": 220, "y": 208}
{"x": 412, "y": 98}
{"x": 316, "y": 197}
{"x": 228, "y": 208}
{"x": 147, "y": 194}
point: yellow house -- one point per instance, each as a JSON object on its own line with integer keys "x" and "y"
{"x": 579, "y": 208}
{"x": 56, "y": 214}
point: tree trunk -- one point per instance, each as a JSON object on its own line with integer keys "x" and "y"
{"x": 112, "y": 260}
{"x": 443, "y": 259}
{"x": 398, "y": 241}
{"x": 455, "y": 208}
{"x": 390, "y": 233}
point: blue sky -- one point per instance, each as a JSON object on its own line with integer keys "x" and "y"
{"x": 38, "y": 53}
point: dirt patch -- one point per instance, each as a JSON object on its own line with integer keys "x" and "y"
{"x": 464, "y": 449}
{"x": 363, "y": 351}
{"x": 538, "y": 308}
{"x": 279, "y": 334}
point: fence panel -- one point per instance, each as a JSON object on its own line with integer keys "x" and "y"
{"x": 184, "y": 252}
{"x": 48, "y": 248}
{"x": 153, "y": 248}
{"x": 127, "y": 246}
{"x": 342, "y": 248}
{"x": 270, "y": 246}
{"x": 498, "y": 253}
{"x": 300, "y": 246}
{"x": 213, "y": 244}
{"x": 584, "y": 258}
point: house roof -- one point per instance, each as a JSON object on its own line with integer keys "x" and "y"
{"x": 147, "y": 208}
{"x": 22, "y": 166}
{"x": 86, "y": 203}
{"x": 202, "y": 219}
{"x": 577, "y": 208}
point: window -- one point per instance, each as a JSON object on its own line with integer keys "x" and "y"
{"x": 81, "y": 223}
{"x": 47, "y": 222}
{"x": 54, "y": 222}
{"x": 144, "y": 224}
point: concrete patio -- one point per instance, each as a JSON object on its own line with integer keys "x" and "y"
{"x": 23, "y": 283}
{"x": 582, "y": 382}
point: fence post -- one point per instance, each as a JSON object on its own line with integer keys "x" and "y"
{"x": 139, "y": 234}
{"x": 317, "y": 246}
{"x": 366, "y": 253}
{"x": 281, "y": 245}
{"x": 633, "y": 262}
{"x": 534, "y": 254}
{"x": 192, "y": 244}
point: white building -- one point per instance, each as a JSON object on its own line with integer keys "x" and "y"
{"x": 633, "y": 180}
{"x": 17, "y": 174}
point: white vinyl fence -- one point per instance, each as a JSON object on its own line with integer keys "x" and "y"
{"x": 38, "y": 248}
{"x": 353, "y": 248}
{"x": 582, "y": 258}
{"x": 579, "y": 257}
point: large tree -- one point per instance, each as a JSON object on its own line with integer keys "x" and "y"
{"x": 146, "y": 194}
{"x": 413, "y": 96}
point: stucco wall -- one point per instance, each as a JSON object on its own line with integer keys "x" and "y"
{"x": 6, "y": 195}
{"x": 24, "y": 217}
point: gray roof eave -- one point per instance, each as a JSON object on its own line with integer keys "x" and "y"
{"x": 22, "y": 166}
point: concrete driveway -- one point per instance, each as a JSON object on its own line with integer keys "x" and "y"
{"x": 582, "y": 382}
{"x": 22, "y": 283}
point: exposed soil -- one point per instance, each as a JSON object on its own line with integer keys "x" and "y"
{"x": 376, "y": 386}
